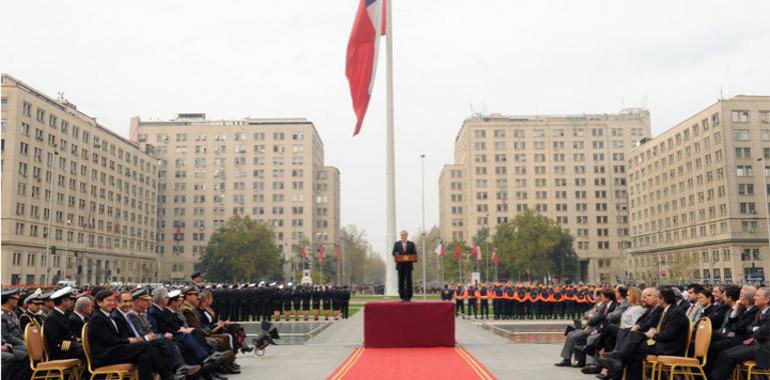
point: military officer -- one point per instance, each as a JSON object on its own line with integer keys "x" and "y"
{"x": 459, "y": 296}
{"x": 31, "y": 314}
{"x": 484, "y": 296}
{"x": 446, "y": 293}
{"x": 11, "y": 330}
{"x": 61, "y": 343}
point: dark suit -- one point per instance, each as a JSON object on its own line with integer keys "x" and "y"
{"x": 756, "y": 347}
{"x": 193, "y": 345}
{"x": 670, "y": 339}
{"x": 62, "y": 344}
{"x": 128, "y": 328}
{"x": 109, "y": 346}
{"x": 404, "y": 269}
{"x": 76, "y": 325}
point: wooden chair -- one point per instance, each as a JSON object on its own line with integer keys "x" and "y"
{"x": 750, "y": 368}
{"x": 651, "y": 361}
{"x": 110, "y": 372}
{"x": 683, "y": 365}
{"x": 48, "y": 369}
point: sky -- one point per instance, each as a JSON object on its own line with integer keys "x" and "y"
{"x": 236, "y": 59}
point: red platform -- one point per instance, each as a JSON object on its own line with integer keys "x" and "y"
{"x": 409, "y": 324}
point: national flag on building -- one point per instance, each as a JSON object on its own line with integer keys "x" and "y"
{"x": 458, "y": 252}
{"x": 361, "y": 61}
{"x": 476, "y": 252}
{"x": 495, "y": 258}
{"x": 116, "y": 225}
{"x": 440, "y": 251}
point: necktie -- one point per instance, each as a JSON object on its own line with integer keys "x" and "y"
{"x": 136, "y": 333}
{"x": 115, "y": 325}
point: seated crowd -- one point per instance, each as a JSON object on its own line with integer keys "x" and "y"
{"x": 172, "y": 334}
{"x": 629, "y": 329}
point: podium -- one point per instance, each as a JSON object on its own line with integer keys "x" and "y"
{"x": 409, "y": 324}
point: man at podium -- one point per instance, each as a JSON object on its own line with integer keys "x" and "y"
{"x": 405, "y": 253}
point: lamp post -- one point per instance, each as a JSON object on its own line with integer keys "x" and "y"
{"x": 424, "y": 235}
{"x": 50, "y": 218}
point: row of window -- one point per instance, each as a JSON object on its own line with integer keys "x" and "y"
{"x": 481, "y": 132}
{"x": 236, "y": 136}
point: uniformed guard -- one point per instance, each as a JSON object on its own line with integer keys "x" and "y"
{"x": 484, "y": 296}
{"x": 276, "y": 296}
{"x": 326, "y": 301}
{"x": 345, "y": 301}
{"x": 315, "y": 297}
{"x": 288, "y": 298}
{"x": 558, "y": 303}
{"x": 446, "y": 293}
{"x": 473, "y": 305}
{"x": 58, "y": 335}
{"x": 571, "y": 300}
{"x": 519, "y": 303}
{"x": 11, "y": 330}
{"x": 31, "y": 313}
{"x": 497, "y": 302}
{"x": 47, "y": 304}
{"x": 459, "y": 296}
{"x": 197, "y": 281}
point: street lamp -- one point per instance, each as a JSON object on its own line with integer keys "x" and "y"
{"x": 766, "y": 207}
{"x": 50, "y": 217}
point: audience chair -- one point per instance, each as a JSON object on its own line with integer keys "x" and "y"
{"x": 115, "y": 371}
{"x": 48, "y": 369}
{"x": 683, "y": 365}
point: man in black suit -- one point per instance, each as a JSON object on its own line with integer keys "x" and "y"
{"x": 755, "y": 347}
{"x": 734, "y": 328}
{"x": 109, "y": 347}
{"x": 80, "y": 315}
{"x": 404, "y": 247}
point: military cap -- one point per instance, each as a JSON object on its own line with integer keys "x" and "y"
{"x": 189, "y": 290}
{"x": 174, "y": 294}
{"x": 141, "y": 293}
{"x": 66, "y": 291}
{"x": 8, "y": 294}
{"x": 195, "y": 274}
{"x": 36, "y": 297}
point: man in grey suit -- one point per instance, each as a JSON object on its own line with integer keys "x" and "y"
{"x": 578, "y": 337}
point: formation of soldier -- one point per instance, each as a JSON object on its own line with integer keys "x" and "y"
{"x": 273, "y": 301}
{"x": 520, "y": 301}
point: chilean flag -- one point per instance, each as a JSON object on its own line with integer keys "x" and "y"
{"x": 304, "y": 252}
{"x": 321, "y": 254}
{"x": 476, "y": 252}
{"x": 361, "y": 63}
{"x": 458, "y": 252}
{"x": 440, "y": 251}
{"x": 495, "y": 259}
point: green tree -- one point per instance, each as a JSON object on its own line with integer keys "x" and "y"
{"x": 243, "y": 250}
{"x": 360, "y": 264}
{"x": 533, "y": 247}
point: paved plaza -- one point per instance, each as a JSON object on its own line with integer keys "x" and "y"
{"x": 318, "y": 358}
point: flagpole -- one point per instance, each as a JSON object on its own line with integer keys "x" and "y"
{"x": 390, "y": 183}
{"x": 424, "y": 235}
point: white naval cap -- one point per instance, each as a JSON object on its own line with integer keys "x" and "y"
{"x": 65, "y": 291}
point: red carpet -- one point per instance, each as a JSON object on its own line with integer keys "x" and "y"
{"x": 409, "y": 324}
{"x": 411, "y": 363}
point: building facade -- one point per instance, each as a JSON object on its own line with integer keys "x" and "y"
{"x": 94, "y": 190}
{"x": 209, "y": 170}
{"x": 570, "y": 168}
{"x": 698, "y": 203}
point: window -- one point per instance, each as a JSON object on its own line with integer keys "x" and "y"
{"x": 743, "y": 171}
{"x": 739, "y": 116}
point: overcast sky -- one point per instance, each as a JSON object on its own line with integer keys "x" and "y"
{"x": 232, "y": 59}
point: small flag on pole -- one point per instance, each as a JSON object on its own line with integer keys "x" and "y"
{"x": 440, "y": 251}
{"x": 337, "y": 248}
{"x": 476, "y": 252}
{"x": 458, "y": 252}
{"x": 321, "y": 254}
{"x": 304, "y": 252}
{"x": 495, "y": 258}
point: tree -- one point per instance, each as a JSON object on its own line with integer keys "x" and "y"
{"x": 533, "y": 247}
{"x": 243, "y": 250}
{"x": 361, "y": 265}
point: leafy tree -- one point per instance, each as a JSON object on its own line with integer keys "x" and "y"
{"x": 243, "y": 250}
{"x": 533, "y": 247}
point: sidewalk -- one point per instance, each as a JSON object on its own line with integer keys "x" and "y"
{"x": 324, "y": 353}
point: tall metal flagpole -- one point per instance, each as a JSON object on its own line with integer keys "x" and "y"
{"x": 390, "y": 183}
{"x": 424, "y": 235}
